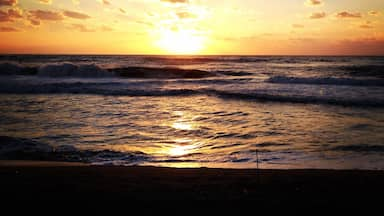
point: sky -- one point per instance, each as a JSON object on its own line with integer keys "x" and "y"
{"x": 218, "y": 27}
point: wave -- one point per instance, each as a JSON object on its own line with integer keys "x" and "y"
{"x": 364, "y": 70}
{"x": 326, "y": 81}
{"x": 72, "y": 70}
{"x": 270, "y": 144}
{"x": 16, "y": 69}
{"x": 305, "y": 99}
{"x": 190, "y": 60}
{"x": 234, "y": 73}
{"x": 55, "y": 70}
{"x": 160, "y": 73}
{"x": 360, "y": 148}
{"x": 94, "y": 71}
{"x": 156, "y": 90}
{"x": 27, "y": 149}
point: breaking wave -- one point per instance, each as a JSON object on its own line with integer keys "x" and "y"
{"x": 154, "y": 89}
{"x": 72, "y": 70}
{"x": 94, "y": 71}
{"x": 326, "y": 81}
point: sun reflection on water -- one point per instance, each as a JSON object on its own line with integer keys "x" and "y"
{"x": 183, "y": 147}
{"x": 180, "y": 150}
{"x": 182, "y": 125}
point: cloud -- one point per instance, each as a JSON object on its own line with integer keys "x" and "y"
{"x": 76, "y": 2}
{"x": 144, "y": 23}
{"x": 366, "y": 26}
{"x": 34, "y": 22}
{"x": 313, "y": 2}
{"x": 46, "y": 1}
{"x": 106, "y": 2}
{"x": 318, "y": 15}
{"x": 10, "y": 15}
{"x": 8, "y": 29}
{"x": 106, "y": 28}
{"x": 374, "y": 13}
{"x": 303, "y": 39}
{"x": 297, "y": 26}
{"x": 81, "y": 28}
{"x": 185, "y": 15}
{"x": 8, "y": 2}
{"x": 175, "y": 1}
{"x": 122, "y": 10}
{"x": 75, "y": 15}
{"x": 46, "y": 15}
{"x": 346, "y": 14}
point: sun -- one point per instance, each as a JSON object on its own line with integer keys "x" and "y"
{"x": 181, "y": 42}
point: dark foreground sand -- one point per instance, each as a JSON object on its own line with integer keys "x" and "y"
{"x": 41, "y": 181}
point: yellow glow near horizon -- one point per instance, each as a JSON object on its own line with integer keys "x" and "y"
{"x": 180, "y": 42}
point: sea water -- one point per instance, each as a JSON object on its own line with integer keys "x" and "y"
{"x": 194, "y": 111}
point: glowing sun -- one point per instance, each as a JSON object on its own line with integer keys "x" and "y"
{"x": 181, "y": 41}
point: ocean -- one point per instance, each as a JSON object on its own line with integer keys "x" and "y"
{"x": 283, "y": 112}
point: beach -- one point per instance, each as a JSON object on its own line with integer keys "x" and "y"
{"x": 56, "y": 181}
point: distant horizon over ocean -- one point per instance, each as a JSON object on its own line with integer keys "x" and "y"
{"x": 190, "y": 55}
{"x": 294, "y": 111}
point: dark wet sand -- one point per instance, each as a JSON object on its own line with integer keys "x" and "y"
{"x": 57, "y": 182}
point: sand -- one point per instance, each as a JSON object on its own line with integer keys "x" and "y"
{"x": 46, "y": 181}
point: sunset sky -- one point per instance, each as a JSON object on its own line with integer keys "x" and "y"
{"x": 249, "y": 27}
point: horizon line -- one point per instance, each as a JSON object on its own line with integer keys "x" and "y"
{"x": 121, "y": 54}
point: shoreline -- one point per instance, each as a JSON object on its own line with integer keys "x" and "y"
{"x": 53, "y": 181}
{"x": 37, "y": 163}
{"x": 44, "y": 163}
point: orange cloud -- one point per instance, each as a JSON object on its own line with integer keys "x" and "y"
{"x": 297, "y": 26}
{"x": 346, "y": 14}
{"x": 106, "y": 28}
{"x": 366, "y": 26}
{"x": 175, "y": 1}
{"x": 313, "y": 2}
{"x": 34, "y": 21}
{"x": 8, "y": 29}
{"x": 46, "y": 15}
{"x": 318, "y": 15}
{"x": 144, "y": 23}
{"x": 106, "y": 2}
{"x": 81, "y": 28}
{"x": 10, "y": 15}
{"x": 185, "y": 15}
{"x": 374, "y": 13}
{"x": 8, "y": 2}
{"x": 46, "y": 1}
{"x": 75, "y": 15}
